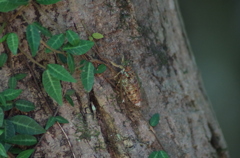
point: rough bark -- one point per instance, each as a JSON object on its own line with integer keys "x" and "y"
{"x": 150, "y": 35}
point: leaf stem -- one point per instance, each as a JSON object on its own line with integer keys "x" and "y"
{"x": 54, "y": 50}
{"x": 30, "y": 58}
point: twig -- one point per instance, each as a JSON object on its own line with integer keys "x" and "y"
{"x": 30, "y": 58}
{"x": 54, "y": 50}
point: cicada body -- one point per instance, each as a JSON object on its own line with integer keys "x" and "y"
{"x": 130, "y": 84}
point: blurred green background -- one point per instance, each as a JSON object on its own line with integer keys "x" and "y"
{"x": 213, "y": 28}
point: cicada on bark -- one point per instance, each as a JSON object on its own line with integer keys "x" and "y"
{"x": 131, "y": 86}
{"x": 128, "y": 80}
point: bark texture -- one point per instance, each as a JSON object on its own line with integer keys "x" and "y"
{"x": 104, "y": 123}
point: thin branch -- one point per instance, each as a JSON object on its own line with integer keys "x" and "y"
{"x": 30, "y": 58}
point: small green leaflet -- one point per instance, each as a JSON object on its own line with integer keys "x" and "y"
{"x": 22, "y": 139}
{"x": 12, "y": 42}
{"x": 46, "y": 2}
{"x": 26, "y": 125}
{"x": 87, "y": 76}
{"x": 70, "y": 62}
{"x": 100, "y": 69}
{"x": 154, "y": 120}
{"x": 62, "y": 58}
{"x": 3, "y": 100}
{"x": 20, "y": 76}
{"x": 50, "y": 122}
{"x": 4, "y": 38}
{"x": 60, "y": 119}
{"x": 60, "y": 73}
{"x": 70, "y": 92}
{"x": 9, "y": 130}
{"x": 72, "y": 37}
{"x": 158, "y": 154}
{"x": 15, "y": 150}
{"x": 1, "y": 117}
{"x": 81, "y": 48}
{"x": 42, "y": 29}
{"x": 11, "y": 94}
{"x": 25, "y": 154}
{"x": 1, "y": 131}
{"x": 24, "y": 105}
{"x": 12, "y": 83}
{"x": 3, "y": 59}
{"x": 2, "y": 149}
{"x": 97, "y": 35}
{"x": 55, "y": 42}
{"x": 90, "y": 38}
{"x": 6, "y": 5}
{"x": 33, "y": 38}
{"x": 69, "y": 99}
{"x": 19, "y": 2}
{"x": 8, "y": 106}
{"x": 52, "y": 86}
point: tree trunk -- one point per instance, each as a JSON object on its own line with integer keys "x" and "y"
{"x": 106, "y": 122}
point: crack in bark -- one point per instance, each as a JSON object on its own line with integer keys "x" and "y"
{"x": 108, "y": 129}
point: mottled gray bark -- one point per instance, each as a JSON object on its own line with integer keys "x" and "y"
{"x": 149, "y": 35}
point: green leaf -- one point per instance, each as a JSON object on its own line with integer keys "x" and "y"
{"x": 55, "y": 42}
{"x": 7, "y": 5}
{"x": 19, "y": 2}
{"x": 60, "y": 73}
{"x": 46, "y": 2}
{"x": 24, "y": 105}
{"x": 12, "y": 42}
{"x": 154, "y": 154}
{"x": 52, "y": 86}
{"x": 9, "y": 130}
{"x": 70, "y": 92}
{"x": 1, "y": 131}
{"x": 1, "y": 117}
{"x": 154, "y": 120}
{"x": 4, "y": 38}
{"x": 62, "y": 58}
{"x": 11, "y": 94}
{"x": 42, "y": 29}
{"x": 22, "y": 139}
{"x": 90, "y": 38}
{"x": 87, "y": 76}
{"x": 26, "y": 153}
{"x": 26, "y": 125}
{"x": 101, "y": 68}
{"x": 12, "y": 83}
{"x": 3, "y": 100}
{"x": 60, "y": 119}
{"x": 3, "y": 151}
{"x": 33, "y": 38}
{"x": 8, "y": 106}
{"x": 163, "y": 154}
{"x": 69, "y": 99}
{"x": 72, "y": 37}
{"x": 158, "y": 154}
{"x": 20, "y": 76}
{"x": 15, "y": 150}
{"x": 97, "y": 35}
{"x": 50, "y": 122}
{"x": 82, "y": 63}
{"x": 3, "y": 59}
{"x": 81, "y": 48}
{"x": 70, "y": 62}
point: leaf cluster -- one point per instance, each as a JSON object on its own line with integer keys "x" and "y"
{"x": 19, "y": 129}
